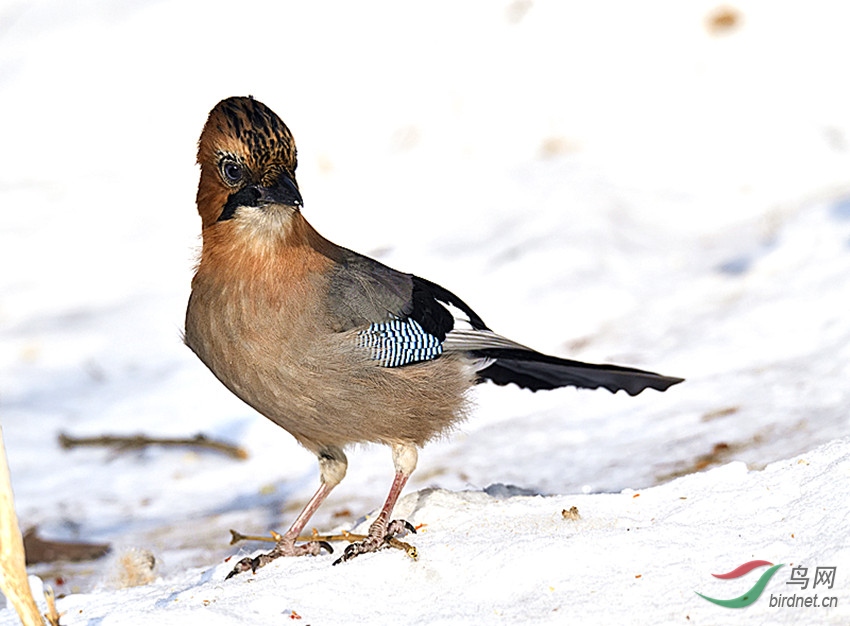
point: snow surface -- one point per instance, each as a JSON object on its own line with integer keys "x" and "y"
{"x": 606, "y": 181}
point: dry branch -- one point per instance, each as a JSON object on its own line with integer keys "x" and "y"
{"x": 45, "y": 551}
{"x": 52, "y": 616}
{"x": 133, "y": 442}
{"x": 393, "y": 542}
{"x": 13, "y": 573}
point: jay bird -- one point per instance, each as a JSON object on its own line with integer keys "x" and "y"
{"x": 331, "y": 345}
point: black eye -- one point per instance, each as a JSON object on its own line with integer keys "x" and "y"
{"x": 232, "y": 172}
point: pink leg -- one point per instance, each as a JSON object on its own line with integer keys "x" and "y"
{"x": 306, "y": 513}
{"x": 383, "y": 518}
{"x": 381, "y": 529}
{"x": 286, "y": 545}
{"x": 332, "y": 465}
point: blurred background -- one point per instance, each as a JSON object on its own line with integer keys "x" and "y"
{"x": 664, "y": 185}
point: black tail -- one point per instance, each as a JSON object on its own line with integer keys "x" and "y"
{"x": 533, "y": 370}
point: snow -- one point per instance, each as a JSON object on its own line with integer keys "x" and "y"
{"x": 516, "y": 559}
{"x": 609, "y": 182}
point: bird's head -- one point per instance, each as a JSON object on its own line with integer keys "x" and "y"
{"x": 248, "y": 159}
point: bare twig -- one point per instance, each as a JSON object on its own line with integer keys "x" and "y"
{"x": 274, "y": 537}
{"x": 52, "y": 616}
{"x": 13, "y": 573}
{"x": 398, "y": 544}
{"x": 131, "y": 442}
{"x": 45, "y": 551}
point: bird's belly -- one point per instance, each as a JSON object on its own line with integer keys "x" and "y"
{"x": 325, "y": 390}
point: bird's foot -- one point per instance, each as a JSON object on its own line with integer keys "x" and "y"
{"x": 283, "y": 547}
{"x": 381, "y": 535}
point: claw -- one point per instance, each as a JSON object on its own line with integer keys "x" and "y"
{"x": 351, "y": 551}
{"x": 400, "y": 527}
{"x": 377, "y": 540}
{"x": 313, "y": 548}
{"x": 242, "y": 566}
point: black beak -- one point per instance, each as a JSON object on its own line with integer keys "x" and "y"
{"x": 283, "y": 191}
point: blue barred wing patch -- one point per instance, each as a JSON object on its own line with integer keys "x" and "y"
{"x": 399, "y": 342}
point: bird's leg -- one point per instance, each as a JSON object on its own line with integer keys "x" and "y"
{"x": 332, "y": 465}
{"x": 382, "y": 529}
{"x": 286, "y": 543}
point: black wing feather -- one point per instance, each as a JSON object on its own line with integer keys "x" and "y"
{"x": 535, "y": 371}
{"x": 427, "y": 308}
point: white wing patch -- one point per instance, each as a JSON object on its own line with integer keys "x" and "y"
{"x": 462, "y": 321}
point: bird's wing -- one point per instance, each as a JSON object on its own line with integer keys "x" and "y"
{"x": 362, "y": 291}
{"x": 403, "y": 319}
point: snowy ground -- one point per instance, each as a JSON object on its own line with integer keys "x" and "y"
{"x": 621, "y": 182}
